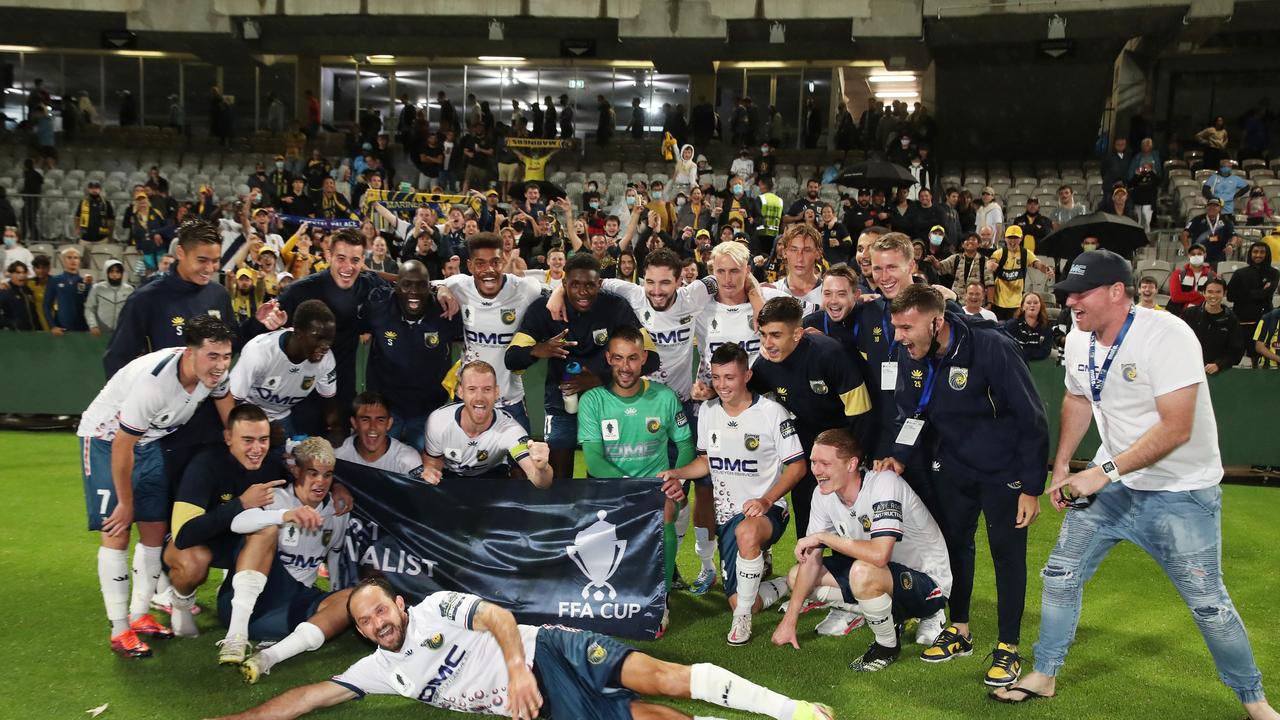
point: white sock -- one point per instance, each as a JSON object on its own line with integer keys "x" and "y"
{"x": 683, "y": 515}
{"x": 304, "y": 638}
{"x": 879, "y": 614}
{"x": 247, "y": 586}
{"x": 180, "y": 617}
{"x": 146, "y": 574}
{"x": 713, "y": 684}
{"x": 113, "y": 578}
{"x": 749, "y": 574}
{"x": 828, "y": 594}
{"x": 706, "y": 546}
{"x": 771, "y": 591}
{"x": 162, "y": 586}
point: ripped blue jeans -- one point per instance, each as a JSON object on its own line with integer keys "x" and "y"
{"x": 1183, "y": 532}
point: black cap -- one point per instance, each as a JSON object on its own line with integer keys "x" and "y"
{"x": 1095, "y": 268}
{"x": 95, "y": 183}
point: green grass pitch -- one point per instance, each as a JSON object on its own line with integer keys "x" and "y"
{"x": 1138, "y": 654}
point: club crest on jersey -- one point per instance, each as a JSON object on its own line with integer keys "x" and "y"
{"x": 326, "y": 537}
{"x": 818, "y": 387}
{"x": 751, "y": 441}
{"x": 866, "y": 522}
{"x": 596, "y": 653}
{"x": 163, "y": 421}
{"x": 308, "y": 381}
{"x": 508, "y": 316}
{"x": 482, "y": 456}
{"x": 876, "y": 332}
{"x": 431, "y": 339}
{"x": 434, "y": 642}
{"x": 652, "y": 424}
{"x": 390, "y": 336}
{"x": 600, "y": 336}
{"x": 958, "y": 378}
{"x": 686, "y": 319}
{"x": 1129, "y": 371}
{"x": 917, "y": 379}
{"x": 272, "y": 382}
{"x": 905, "y": 580}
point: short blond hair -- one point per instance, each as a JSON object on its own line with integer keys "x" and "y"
{"x": 895, "y": 241}
{"x": 315, "y": 451}
{"x": 735, "y": 251}
{"x": 795, "y": 230}
{"x": 70, "y": 250}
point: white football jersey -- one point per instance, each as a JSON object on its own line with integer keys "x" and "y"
{"x": 264, "y": 375}
{"x": 719, "y": 324}
{"x": 301, "y": 551}
{"x": 443, "y": 662}
{"x": 145, "y": 398}
{"x": 812, "y": 300}
{"x": 399, "y": 457}
{"x": 747, "y": 453}
{"x": 489, "y": 324}
{"x": 468, "y": 456}
{"x": 672, "y": 329}
{"x": 887, "y": 507}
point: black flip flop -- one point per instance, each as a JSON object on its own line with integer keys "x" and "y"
{"x": 1027, "y": 694}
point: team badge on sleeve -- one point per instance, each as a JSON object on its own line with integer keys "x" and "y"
{"x": 866, "y": 522}
{"x": 787, "y": 428}
{"x": 307, "y": 382}
{"x": 818, "y": 387}
{"x": 958, "y": 378}
{"x": 431, "y": 339}
{"x": 752, "y": 442}
{"x": 681, "y": 419}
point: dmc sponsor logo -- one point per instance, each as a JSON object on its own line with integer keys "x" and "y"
{"x": 447, "y": 668}
{"x": 744, "y": 466}
{"x": 679, "y": 336}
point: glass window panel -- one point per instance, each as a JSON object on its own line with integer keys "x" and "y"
{"x": 122, "y": 81}
{"x": 786, "y": 98}
{"x": 160, "y": 81}
{"x": 83, "y": 75}
{"x": 278, "y": 80}
{"x": 197, "y": 80}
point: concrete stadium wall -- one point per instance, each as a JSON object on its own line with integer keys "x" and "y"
{"x": 48, "y": 375}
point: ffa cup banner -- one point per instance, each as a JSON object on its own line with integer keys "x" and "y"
{"x": 583, "y": 553}
{"x": 537, "y": 143}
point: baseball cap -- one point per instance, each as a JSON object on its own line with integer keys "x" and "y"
{"x": 938, "y": 228}
{"x": 1213, "y": 201}
{"x": 244, "y": 272}
{"x": 988, "y": 190}
{"x": 266, "y": 249}
{"x": 1013, "y": 231}
{"x": 702, "y": 233}
{"x": 139, "y": 194}
{"x": 95, "y": 183}
{"x": 1095, "y": 268}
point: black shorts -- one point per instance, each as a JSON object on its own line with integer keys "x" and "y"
{"x": 579, "y": 674}
{"x": 283, "y": 604}
{"x": 915, "y": 595}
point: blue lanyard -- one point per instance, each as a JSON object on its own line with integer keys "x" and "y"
{"x": 927, "y": 395}
{"x": 1098, "y": 376}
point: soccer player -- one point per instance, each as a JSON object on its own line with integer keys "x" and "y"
{"x": 409, "y": 353}
{"x": 748, "y": 443}
{"x": 837, "y": 319}
{"x": 493, "y": 305}
{"x": 491, "y": 665}
{"x": 811, "y": 377}
{"x": 626, "y": 427}
{"x": 473, "y": 438}
{"x": 370, "y": 443}
{"x": 577, "y": 344}
{"x": 731, "y": 319}
{"x": 124, "y": 478}
{"x": 802, "y": 245}
{"x": 216, "y": 485}
{"x": 970, "y": 384}
{"x": 307, "y": 532}
{"x": 279, "y": 369}
{"x": 887, "y": 553}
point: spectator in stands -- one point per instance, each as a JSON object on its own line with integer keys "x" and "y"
{"x": 13, "y": 250}
{"x": 846, "y": 131}
{"x": 39, "y": 281}
{"x": 902, "y": 214}
{"x": 1225, "y": 186}
{"x": 812, "y": 123}
{"x": 1147, "y": 289}
{"x": 989, "y": 213}
{"x": 106, "y": 300}
{"x": 18, "y": 308}
{"x": 1257, "y": 209}
{"x": 684, "y": 176}
{"x": 808, "y": 201}
{"x": 965, "y": 267}
{"x": 1252, "y": 290}
{"x": 1266, "y": 340}
{"x": 975, "y": 296}
{"x": 967, "y": 211}
{"x": 859, "y": 216}
{"x": 94, "y": 215}
{"x": 332, "y": 204}
{"x": 659, "y": 204}
{"x": 1213, "y": 140}
{"x": 1213, "y": 231}
{"x": 1146, "y": 155}
{"x": 1115, "y": 164}
{"x": 1186, "y": 286}
{"x": 1031, "y": 329}
{"x": 1009, "y": 266}
{"x": 318, "y": 168}
{"x": 155, "y": 180}
{"x": 743, "y": 166}
{"x": 636, "y": 124}
{"x": 550, "y": 120}
{"x": 1120, "y": 204}
{"x": 951, "y": 216}
{"x": 1218, "y": 329}
{"x": 736, "y": 203}
{"x": 206, "y": 206}
{"x": 1144, "y": 185}
{"x": 378, "y": 259}
{"x": 567, "y": 127}
{"x": 32, "y": 188}
{"x": 837, "y": 246}
{"x": 65, "y": 297}
{"x": 147, "y": 228}
{"x": 606, "y": 121}
{"x": 702, "y": 123}
{"x": 1034, "y": 225}
{"x": 1067, "y": 208}
{"x": 766, "y": 163}
{"x": 696, "y": 213}
{"x": 927, "y": 216}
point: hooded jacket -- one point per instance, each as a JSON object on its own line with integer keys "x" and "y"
{"x": 1253, "y": 287}
{"x": 686, "y": 171}
{"x": 106, "y": 301}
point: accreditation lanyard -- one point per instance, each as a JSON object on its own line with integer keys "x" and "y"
{"x": 912, "y": 426}
{"x": 1098, "y": 376}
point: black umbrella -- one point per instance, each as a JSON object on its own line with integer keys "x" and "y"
{"x": 1116, "y": 233}
{"x": 550, "y": 191}
{"x": 876, "y": 174}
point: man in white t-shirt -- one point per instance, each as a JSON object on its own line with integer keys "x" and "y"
{"x": 975, "y": 294}
{"x": 369, "y": 443}
{"x": 459, "y": 652}
{"x": 280, "y": 369}
{"x": 748, "y": 444}
{"x": 888, "y": 554}
{"x": 1154, "y": 480}
{"x": 802, "y": 245}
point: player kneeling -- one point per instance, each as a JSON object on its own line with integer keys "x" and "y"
{"x": 748, "y": 443}
{"x": 888, "y": 555}
{"x": 290, "y": 606}
{"x": 459, "y": 652}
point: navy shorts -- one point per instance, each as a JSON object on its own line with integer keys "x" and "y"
{"x": 560, "y": 431}
{"x": 225, "y": 549}
{"x": 915, "y": 595}
{"x": 151, "y": 497}
{"x": 579, "y": 674}
{"x": 727, "y": 539}
{"x": 284, "y": 604}
{"x": 517, "y": 411}
{"x": 409, "y": 430}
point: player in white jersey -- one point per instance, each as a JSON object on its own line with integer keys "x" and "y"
{"x": 280, "y": 369}
{"x": 731, "y": 319}
{"x": 472, "y": 438}
{"x": 370, "y": 445}
{"x": 123, "y": 469}
{"x": 457, "y": 651}
{"x": 290, "y": 608}
{"x": 493, "y": 304}
{"x": 749, "y": 445}
{"x": 888, "y": 554}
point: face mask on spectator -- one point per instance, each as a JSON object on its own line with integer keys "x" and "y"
{"x": 631, "y": 199}
{"x": 764, "y": 149}
{"x": 595, "y": 205}
{"x": 1088, "y": 247}
{"x": 1225, "y": 170}
{"x": 10, "y": 240}
{"x": 737, "y": 189}
{"x": 657, "y": 194}
{"x": 1196, "y": 260}
{"x": 935, "y": 240}
{"x": 279, "y": 164}
{"x": 680, "y": 201}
